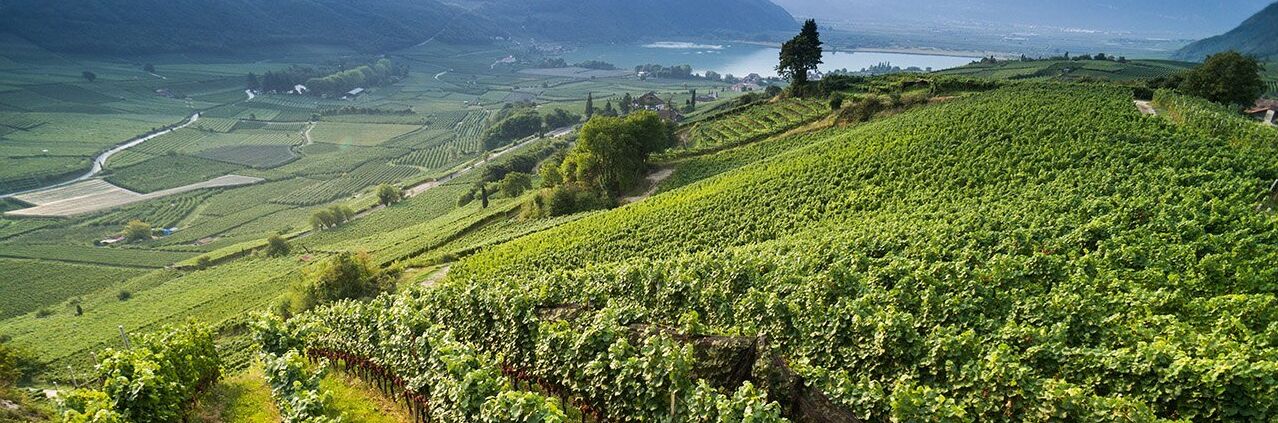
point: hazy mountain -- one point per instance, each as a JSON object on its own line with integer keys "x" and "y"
{"x": 161, "y": 26}
{"x": 1176, "y": 18}
{"x": 628, "y": 20}
{"x": 1257, "y": 36}
{"x": 154, "y": 26}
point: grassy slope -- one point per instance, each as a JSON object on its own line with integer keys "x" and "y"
{"x": 1047, "y": 230}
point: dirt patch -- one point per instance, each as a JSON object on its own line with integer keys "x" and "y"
{"x": 653, "y": 180}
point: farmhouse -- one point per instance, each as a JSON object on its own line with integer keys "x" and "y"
{"x": 350, "y": 95}
{"x": 650, "y": 101}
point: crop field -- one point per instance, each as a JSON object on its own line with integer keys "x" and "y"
{"x": 255, "y": 156}
{"x": 31, "y": 285}
{"x": 367, "y": 175}
{"x": 163, "y": 213}
{"x": 96, "y": 195}
{"x": 470, "y": 131}
{"x": 1064, "y": 70}
{"x": 168, "y": 171}
{"x": 115, "y": 256}
{"x": 756, "y": 122}
{"x": 362, "y": 134}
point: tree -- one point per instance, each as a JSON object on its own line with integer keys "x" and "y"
{"x": 89, "y": 76}
{"x": 137, "y": 230}
{"x": 590, "y": 105}
{"x": 149, "y": 68}
{"x": 483, "y": 197}
{"x": 713, "y": 76}
{"x": 515, "y": 183}
{"x": 611, "y": 152}
{"x": 627, "y": 104}
{"x": 277, "y": 246}
{"x": 836, "y": 101}
{"x": 251, "y": 82}
{"x": 349, "y": 275}
{"x": 692, "y": 105}
{"x": 801, "y": 55}
{"x": 1227, "y": 78}
{"x": 387, "y": 194}
{"x": 608, "y": 110}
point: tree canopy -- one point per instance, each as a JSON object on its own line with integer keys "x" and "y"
{"x": 801, "y": 55}
{"x": 1227, "y": 78}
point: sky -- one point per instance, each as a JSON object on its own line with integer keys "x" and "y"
{"x": 1189, "y": 19}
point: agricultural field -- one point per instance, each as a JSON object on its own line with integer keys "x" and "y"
{"x": 1071, "y": 70}
{"x": 168, "y": 171}
{"x": 754, "y": 123}
{"x": 30, "y": 285}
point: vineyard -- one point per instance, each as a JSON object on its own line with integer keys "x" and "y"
{"x": 756, "y": 122}
{"x": 367, "y": 175}
{"x": 946, "y": 261}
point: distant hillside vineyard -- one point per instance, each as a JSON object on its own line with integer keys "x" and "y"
{"x": 1257, "y": 36}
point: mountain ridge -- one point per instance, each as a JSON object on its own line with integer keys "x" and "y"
{"x": 1257, "y": 36}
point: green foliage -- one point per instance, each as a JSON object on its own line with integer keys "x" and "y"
{"x": 611, "y": 152}
{"x": 515, "y": 184}
{"x": 388, "y": 195}
{"x": 565, "y": 199}
{"x": 1104, "y": 265}
{"x": 1226, "y": 78}
{"x": 347, "y": 275}
{"x": 156, "y": 381}
{"x": 294, "y": 385}
{"x": 836, "y": 101}
{"x": 331, "y": 217}
{"x": 17, "y": 364}
{"x": 136, "y": 231}
{"x": 277, "y": 246}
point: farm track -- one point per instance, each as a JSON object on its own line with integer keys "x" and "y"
{"x": 654, "y": 180}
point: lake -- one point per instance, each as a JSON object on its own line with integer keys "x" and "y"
{"x": 744, "y": 59}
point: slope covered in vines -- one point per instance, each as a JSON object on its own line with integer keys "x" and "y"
{"x": 1034, "y": 253}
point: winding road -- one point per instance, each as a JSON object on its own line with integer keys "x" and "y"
{"x": 100, "y": 161}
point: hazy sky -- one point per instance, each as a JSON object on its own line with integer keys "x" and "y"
{"x": 1183, "y": 18}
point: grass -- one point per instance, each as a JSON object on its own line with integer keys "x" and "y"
{"x": 244, "y": 397}
{"x": 358, "y": 401}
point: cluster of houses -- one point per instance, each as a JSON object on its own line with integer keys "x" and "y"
{"x": 652, "y": 102}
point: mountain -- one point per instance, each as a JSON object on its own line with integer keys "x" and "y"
{"x": 1256, "y": 36}
{"x": 1171, "y": 18}
{"x": 162, "y": 26}
{"x": 628, "y": 20}
{"x": 167, "y": 26}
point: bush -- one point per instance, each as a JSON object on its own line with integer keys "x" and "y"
{"x": 836, "y": 101}
{"x": 347, "y": 276}
{"x": 515, "y": 184}
{"x": 387, "y": 194}
{"x": 203, "y": 262}
{"x": 17, "y": 364}
{"x": 277, "y": 246}
{"x": 42, "y": 313}
{"x": 124, "y": 295}
{"x": 137, "y": 230}
{"x": 564, "y": 200}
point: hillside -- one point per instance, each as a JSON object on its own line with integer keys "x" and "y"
{"x": 1174, "y": 18}
{"x": 1257, "y": 36}
{"x": 155, "y": 26}
{"x": 1039, "y": 252}
{"x": 620, "y": 20}
{"x": 160, "y": 26}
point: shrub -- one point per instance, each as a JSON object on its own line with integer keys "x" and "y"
{"x": 42, "y": 313}
{"x": 836, "y": 101}
{"x": 346, "y": 276}
{"x": 515, "y": 184}
{"x": 124, "y": 295}
{"x": 387, "y": 194}
{"x": 277, "y": 246}
{"x": 137, "y": 230}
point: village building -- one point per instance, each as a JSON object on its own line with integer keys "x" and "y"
{"x": 350, "y": 95}
{"x": 652, "y": 102}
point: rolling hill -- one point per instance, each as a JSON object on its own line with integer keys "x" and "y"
{"x": 1257, "y": 36}
{"x": 621, "y": 20}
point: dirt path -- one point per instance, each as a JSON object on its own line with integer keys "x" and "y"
{"x": 437, "y": 275}
{"x": 1146, "y": 108}
{"x": 654, "y": 180}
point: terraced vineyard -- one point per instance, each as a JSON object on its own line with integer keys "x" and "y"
{"x": 756, "y": 122}
{"x": 1002, "y": 257}
{"x": 470, "y": 131}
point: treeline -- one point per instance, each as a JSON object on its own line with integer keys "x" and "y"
{"x": 334, "y": 83}
{"x": 1066, "y": 56}
{"x": 512, "y": 175}
{"x": 519, "y": 120}
{"x": 668, "y": 72}
{"x": 558, "y": 62}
